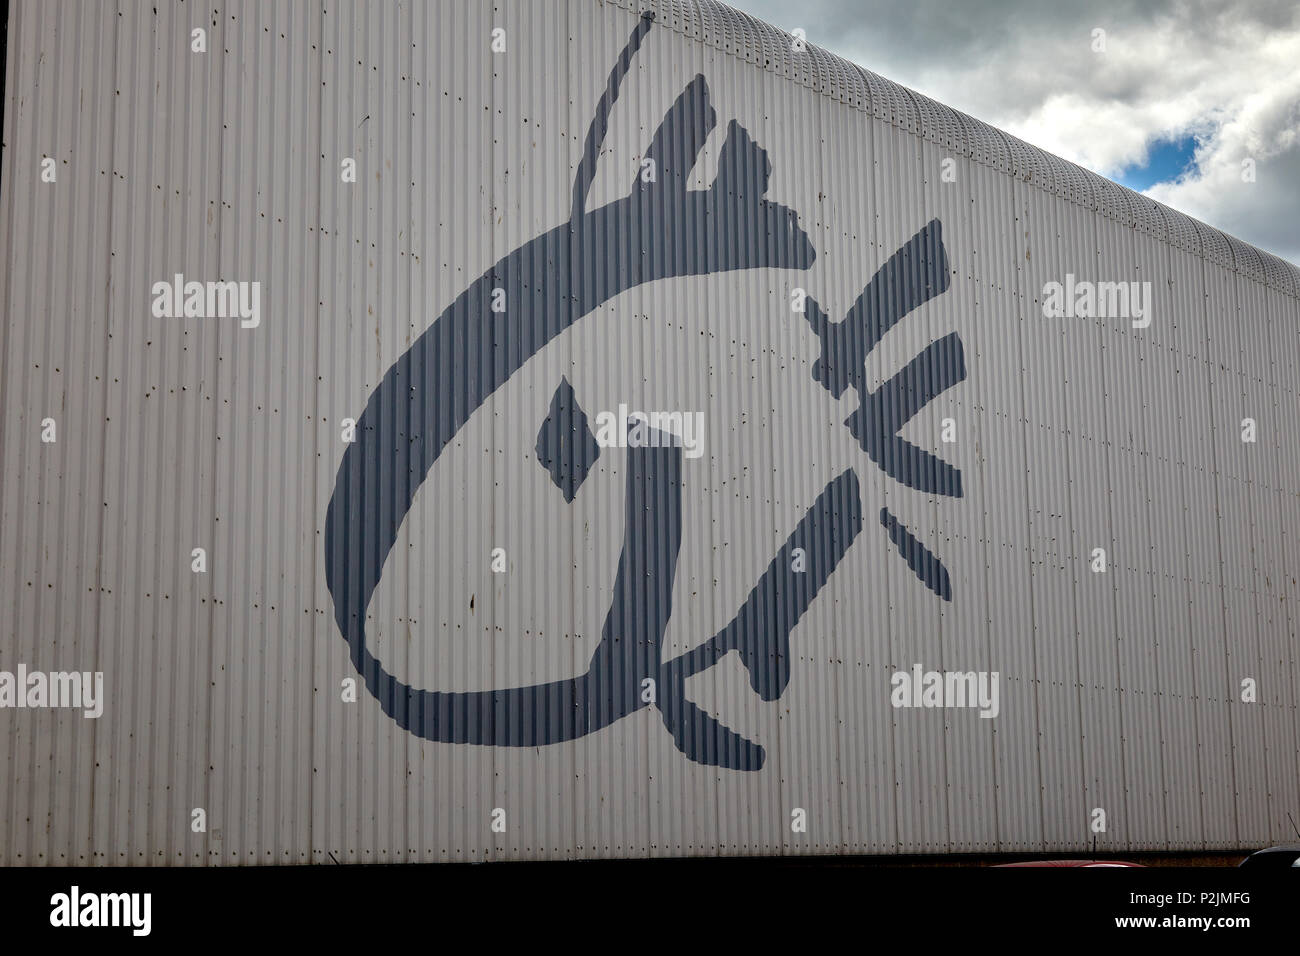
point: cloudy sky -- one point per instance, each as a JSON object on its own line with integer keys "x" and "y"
{"x": 1184, "y": 92}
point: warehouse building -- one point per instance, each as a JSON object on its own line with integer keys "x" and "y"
{"x": 613, "y": 429}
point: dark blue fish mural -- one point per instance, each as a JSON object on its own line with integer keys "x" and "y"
{"x": 550, "y": 283}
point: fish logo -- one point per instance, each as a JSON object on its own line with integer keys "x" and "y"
{"x": 471, "y": 350}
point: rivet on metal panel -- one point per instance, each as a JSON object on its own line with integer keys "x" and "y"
{"x": 876, "y": 100}
{"x": 1001, "y": 149}
{"x": 967, "y": 140}
{"x": 1214, "y": 247}
{"x": 1246, "y": 259}
{"x": 1182, "y": 232}
{"x": 908, "y": 115}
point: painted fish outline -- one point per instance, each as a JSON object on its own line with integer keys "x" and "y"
{"x": 421, "y": 404}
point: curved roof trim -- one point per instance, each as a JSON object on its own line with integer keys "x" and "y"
{"x": 738, "y": 33}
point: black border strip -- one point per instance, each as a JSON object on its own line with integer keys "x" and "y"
{"x": 4, "y": 92}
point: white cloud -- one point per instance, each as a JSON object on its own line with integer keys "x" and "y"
{"x": 1226, "y": 72}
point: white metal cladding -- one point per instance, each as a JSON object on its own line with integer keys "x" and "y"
{"x": 1119, "y": 691}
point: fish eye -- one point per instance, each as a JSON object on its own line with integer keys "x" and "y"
{"x": 566, "y": 448}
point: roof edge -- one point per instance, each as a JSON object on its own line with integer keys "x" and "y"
{"x": 745, "y": 37}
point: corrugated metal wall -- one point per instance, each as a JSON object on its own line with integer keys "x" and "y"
{"x": 223, "y": 689}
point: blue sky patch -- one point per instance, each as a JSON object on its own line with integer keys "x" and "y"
{"x": 1166, "y": 161}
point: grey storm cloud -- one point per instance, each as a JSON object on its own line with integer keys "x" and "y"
{"x": 1226, "y": 74}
